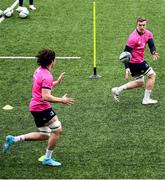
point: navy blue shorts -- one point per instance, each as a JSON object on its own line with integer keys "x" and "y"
{"x": 42, "y": 117}
{"x": 138, "y": 69}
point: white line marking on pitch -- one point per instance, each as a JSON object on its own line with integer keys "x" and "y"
{"x": 22, "y": 57}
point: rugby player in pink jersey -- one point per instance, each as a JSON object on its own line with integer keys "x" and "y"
{"x": 45, "y": 117}
{"x": 137, "y": 66}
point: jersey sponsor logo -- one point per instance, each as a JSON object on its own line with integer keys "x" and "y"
{"x": 51, "y": 113}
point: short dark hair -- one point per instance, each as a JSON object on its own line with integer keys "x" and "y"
{"x": 45, "y": 57}
{"x": 141, "y": 19}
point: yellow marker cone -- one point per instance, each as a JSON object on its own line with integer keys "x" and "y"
{"x": 41, "y": 158}
{"x": 7, "y": 107}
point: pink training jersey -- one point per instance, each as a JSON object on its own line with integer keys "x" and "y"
{"x": 138, "y": 43}
{"x": 42, "y": 78}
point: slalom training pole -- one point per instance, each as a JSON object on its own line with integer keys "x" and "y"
{"x": 94, "y": 75}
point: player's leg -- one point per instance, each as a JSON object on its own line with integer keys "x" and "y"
{"x": 31, "y": 5}
{"x": 55, "y": 126}
{"x": 138, "y": 82}
{"x": 47, "y": 121}
{"x": 40, "y": 119}
{"x": 149, "y": 87}
{"x": 136, "y": 70}
{"x": 33, "y": 136}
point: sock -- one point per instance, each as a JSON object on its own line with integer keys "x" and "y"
{"x": 48, "y": 154}
{"x": 20, "y": 2}
{"x": 147, "y": 94}
{"x": 30, "y": 2}
{"x": 123, "y": 87}
{"x": 19, "y": 138}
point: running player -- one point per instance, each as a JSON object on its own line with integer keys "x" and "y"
{"x": 137, "y": 66}
{"x": 45, "y": 117}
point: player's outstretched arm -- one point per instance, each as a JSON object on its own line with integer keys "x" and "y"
{"x": 47, "y": 96}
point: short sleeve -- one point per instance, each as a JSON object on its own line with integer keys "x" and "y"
{"x": 46, "y": 83}
{"x": 150, "y": 35}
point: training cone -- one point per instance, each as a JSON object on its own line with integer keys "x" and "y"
{"x": 7, "y": 107}
{"x": 41, "y": 158}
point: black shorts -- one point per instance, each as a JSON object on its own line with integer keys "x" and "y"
{"x": 138, "y": 69}
{"x": 42, "y": 117}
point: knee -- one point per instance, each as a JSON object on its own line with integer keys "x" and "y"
{"x": 140, "y": 83}
{"x": 152, "y": 76}
{"x": 57, "y": 132}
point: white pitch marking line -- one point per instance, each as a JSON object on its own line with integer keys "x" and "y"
{"x": 22, "y": 57}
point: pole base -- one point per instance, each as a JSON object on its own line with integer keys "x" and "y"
{"x": 94, "y": 76}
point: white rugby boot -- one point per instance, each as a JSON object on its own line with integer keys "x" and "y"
{"x": 115, "y": 93}
{"x": 32, "y": 7}
{"x": 149, "y": 101}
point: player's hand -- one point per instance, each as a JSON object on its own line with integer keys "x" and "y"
{"x": 155, "y": 56}
{"x": 67, "y": 100}
{"x": 61, "y": 77}
{"x": 59, "y": 80}
{"x": 127, "y": 73}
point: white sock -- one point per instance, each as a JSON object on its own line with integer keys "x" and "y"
{"x": 48, "y": 154}
{"x": 123, "y": 87}
{"x": 147, "y": 94}
{"x": 19, "y": 138}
